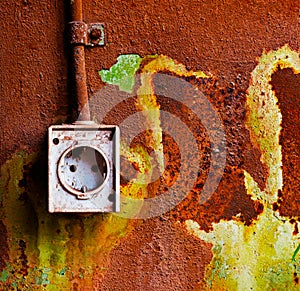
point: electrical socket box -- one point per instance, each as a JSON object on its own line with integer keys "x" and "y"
{"x": 84, "y": 168}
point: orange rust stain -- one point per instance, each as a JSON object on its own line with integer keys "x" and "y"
{"x": 230, "y": 199}
{"x": 157, "y": 256}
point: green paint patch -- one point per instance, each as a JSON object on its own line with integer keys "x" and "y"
{"x": 295, "y": 253}
{"x": 123, "y": 72}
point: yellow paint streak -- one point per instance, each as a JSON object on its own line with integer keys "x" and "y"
{"x": 257, "y": 257}
{"x": 104, "y": 235}
{"x": 78, "y": 244}
{"x": 264, "y": 117}
{"x": 70, "y": 248}
{"x": 30, "y": 222}
{"x": 147, "y": 100}
{"x": 147, "y": 103}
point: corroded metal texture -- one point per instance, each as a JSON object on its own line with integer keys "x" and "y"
{"x": 96, "y": 34}
{"x": 243, "y": 58}
{"x": 76, "y": 10}
{"x": 80, "y": 84}
{"x": 78, "y": 32}
{"x": 91, "y": 34}
{"x": 34, "y": 90}
{"x": 286, "y": 85}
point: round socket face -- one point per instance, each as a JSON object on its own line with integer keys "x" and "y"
{"x": 83, "y": 170}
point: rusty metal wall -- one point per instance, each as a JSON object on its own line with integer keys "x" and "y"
{"x": 244, "y": 58}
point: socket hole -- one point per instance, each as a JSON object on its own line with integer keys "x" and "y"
{"x": 73, "y": 168}
{"x": 87, "y": 169}
{"x": 55, "y": 141}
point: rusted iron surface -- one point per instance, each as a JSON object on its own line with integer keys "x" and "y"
{"x": 80, "y": 84}
{"x": 286, "y": 85}
{"x": 78, "y": 54}
{"x": 91, "y": 34}
{"x": 33, "y": 73}
{"x": 226, "y": 40}
{"x": 78, "y": 32}
{"x": 76, "y": 10}
{"x": 96, "y": 35}
{"x": 157, "y": 256}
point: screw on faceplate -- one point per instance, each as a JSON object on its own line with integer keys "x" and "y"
{"x": 111, "y": 197}
{"x": 83, "y": 189}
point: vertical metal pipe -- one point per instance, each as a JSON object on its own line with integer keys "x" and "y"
{"x": 76, "y": 10}
{"x": 79, "y": 67}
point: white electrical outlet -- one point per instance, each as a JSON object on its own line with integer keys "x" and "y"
{"x": 84, "y": 168}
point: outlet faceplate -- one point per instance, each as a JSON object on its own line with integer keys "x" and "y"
{"x": 84, "y": 168}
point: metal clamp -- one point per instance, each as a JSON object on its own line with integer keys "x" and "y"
{"x": 91, "y": 34}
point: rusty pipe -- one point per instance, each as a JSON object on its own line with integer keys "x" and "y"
{"x": 79, "y": 71}
{"x": 76, "y": 10}
{"x": 80, "y": 83}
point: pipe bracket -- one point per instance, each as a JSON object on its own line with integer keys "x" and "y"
{"x": 81, "y": 33}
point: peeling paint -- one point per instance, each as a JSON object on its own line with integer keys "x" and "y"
{"x": 256, "y": 257}
{"x": 54, "y": 251}
{"x": 146, "y": 102}
{"x": 39, "y": 251}
{"x": 295, "y": 253}
{"x": 50, "y": 250}
{"x": 261, "y": 256}
{"x": 122, "y": 73}
{"x": 264, "y": 116}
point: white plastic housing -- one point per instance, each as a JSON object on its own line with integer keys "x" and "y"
{"x": 84, "y": 168}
